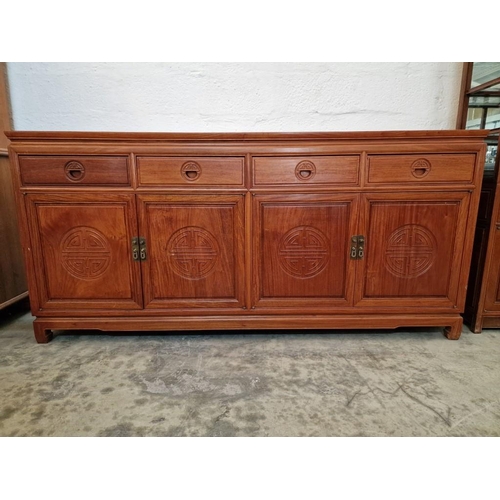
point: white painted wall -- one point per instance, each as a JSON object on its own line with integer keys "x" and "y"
{"x": 194, "y": 97}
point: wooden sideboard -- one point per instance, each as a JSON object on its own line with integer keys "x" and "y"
{"x": 151, "y": 231}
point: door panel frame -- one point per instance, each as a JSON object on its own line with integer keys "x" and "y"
{"x": 450, "y": 302}
{"x": 43, "y": 300}
{"x": 301, "y": 304}
{"x": 196, "y": 200}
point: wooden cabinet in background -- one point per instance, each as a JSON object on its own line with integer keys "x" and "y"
{"x": 305, "y": 231}
{"x": 483, "y": 296}
{"x": 13, "y": 286}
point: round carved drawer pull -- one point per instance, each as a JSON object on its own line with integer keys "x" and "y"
{"x": 305, "y": 170}
{"x": 75, "y": 171}
{"x": 420, "y": 168}
{"x": 191, "y": 171}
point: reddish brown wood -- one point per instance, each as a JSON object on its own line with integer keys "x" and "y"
{"x": 306, "y": 170}
{"x": 74, "y": 170}
{"x": 43, "y": 334}
{"x": 5, "y": 119}
{"x": 414, "y": 246}
{"x": 483, "y": 299}
{"x": 463, "y": 103}
{"x": 258, "y": 235}
{"x": 81, "y": 246}
{"x": 301, "y": 250}
{"x": 483, "y": 86}
{"x": 452, "y": 323}
{"x": 454, "y": 331}
{"x": 13, "y": 286}
{"x": 195, "y": 246}
{"x": 421, "y": 168}
{"x": 24, "y": 135}
{"x": 190, "y": 172}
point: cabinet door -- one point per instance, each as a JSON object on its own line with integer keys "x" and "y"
{"x": 195, "y": 252}
{"x": 81, "y": 246}
{"x": 301, "y": 250}
{"x": 491, "y": 276}
{"x": 413, "y": 249}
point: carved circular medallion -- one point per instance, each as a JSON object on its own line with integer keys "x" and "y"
{"x": 410, "y": 251}
{"x": 74, "y": 171}
{"x": 192, "y": 252}
{"x": 191, "y": 171}
{"x": 305, "y": 170}
{"x": 303, "y": 252}
{"x": 85, "y": 253}
{"x": 420, "y": 168}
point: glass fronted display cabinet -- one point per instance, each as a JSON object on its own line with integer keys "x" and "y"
{"x": 479, "y": 108}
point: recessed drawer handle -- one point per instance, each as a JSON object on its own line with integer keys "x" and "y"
{"x": 74, "y": 170}
{"x": 191, "y": 171}
{"x": 419, "y": 172}
{"x": 420, "y": 168}
{"x": 305, "y": 170}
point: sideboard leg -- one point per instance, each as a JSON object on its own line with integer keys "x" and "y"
{"x": 43, "y": 335}
{"x": 454, "y": 331}
{"x": 477, "y": 324}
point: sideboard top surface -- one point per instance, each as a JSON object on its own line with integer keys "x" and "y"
{"x": 462, "y": 135}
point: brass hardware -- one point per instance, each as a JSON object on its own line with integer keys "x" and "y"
{"x": 361, "y": 247}
{"x": 139, "y": 249}
{"x": 135, "y": 248}
{"x": 354, "y": 247}
{"x": 357, "y": 247}
{"x": 142, "y": 247}
{"x": 497, "y": 225}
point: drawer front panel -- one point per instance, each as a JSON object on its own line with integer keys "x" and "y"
{"x": 190, "y": 172}
{"x": 304, "y": 170}
{"x": 439, "y": 168}
{"x": 74, "y": 170}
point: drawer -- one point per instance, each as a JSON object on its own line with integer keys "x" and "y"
{"x": 417, "y": 168}
{"x": 306, "y": 170}
{"x": 190, "y": 172}
{"x": 74, "y": 170}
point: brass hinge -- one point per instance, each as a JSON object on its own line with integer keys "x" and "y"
{"x": 357, "y": 251}
{"x": 139, "y": 249}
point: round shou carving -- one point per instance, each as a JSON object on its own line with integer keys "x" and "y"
{"x": 74, "y": 171}
{"x": 303, "y": 252}
{"x": 192, "y": 252}
{"x": 191, "y": 171}
{"x": 85, "y": 252}
{"x": 411, "y": 251}
{"x": 305, "y": 170}
{"x": 420, "y": 168}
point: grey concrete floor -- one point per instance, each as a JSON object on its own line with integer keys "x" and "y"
{"x": 402, "y": 383}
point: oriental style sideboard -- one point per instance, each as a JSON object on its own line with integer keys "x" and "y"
{"x": 152, "y": 231}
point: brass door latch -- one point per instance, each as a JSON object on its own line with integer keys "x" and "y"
{"x": 139, "y": 249}
{"x": 142, "y": 248}
{"x": 357, "y": 251}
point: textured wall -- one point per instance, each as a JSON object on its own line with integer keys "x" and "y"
{"x": 234, "y": 96}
